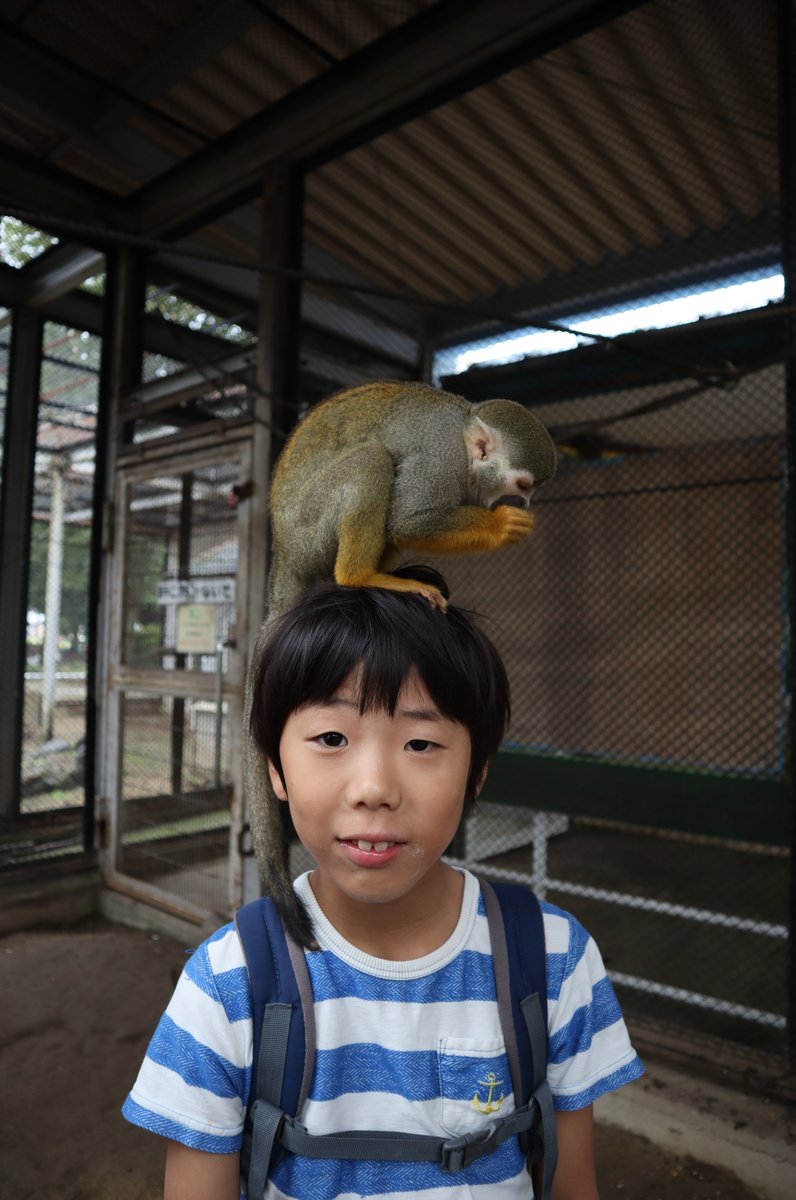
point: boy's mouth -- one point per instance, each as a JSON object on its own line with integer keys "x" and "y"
{"x": 365, "y": 844}
{"x": 367, "y": 852}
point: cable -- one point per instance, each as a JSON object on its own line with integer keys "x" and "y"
{"x": 709, "y": 376}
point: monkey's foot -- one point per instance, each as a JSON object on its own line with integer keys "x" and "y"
{"x": 393, "y": 583}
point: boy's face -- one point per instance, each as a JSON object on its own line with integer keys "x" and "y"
{"x": 375, "y": 799}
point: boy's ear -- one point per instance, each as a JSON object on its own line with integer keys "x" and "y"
{"x": 481, "y": 781}
{"x": 276, "y": 782}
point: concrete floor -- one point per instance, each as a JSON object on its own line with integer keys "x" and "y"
{"x": 751, "y": 1136}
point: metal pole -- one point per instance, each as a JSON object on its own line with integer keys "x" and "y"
{"x": 184, "y": 569}
{"x": 787, "y": 164}
{"x": 219, "y": 706}
{"x": 52, "y": 604}
{"x": 121, "y": 369}
{"x": 15, "y": 514}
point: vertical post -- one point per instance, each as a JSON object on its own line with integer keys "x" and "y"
{"x": 276, "y": 399}
{"x": 16, "y": 501}
{"x": 183, "y": 572}
{"x": 539, "y": 861}
{"x": 52, "y": 604}
{"x": 787, "y": 166}
{"x": 425, "y": 357}
{"x": 219, "y": 714}
{"x": 120, "y": 368}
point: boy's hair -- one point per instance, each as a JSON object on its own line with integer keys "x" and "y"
{"x": 384, "y": 636}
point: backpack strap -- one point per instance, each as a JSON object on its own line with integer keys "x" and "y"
{"x": 283, "y": 1033}
{"x": 284, "y": 1042}
{"x": 516, "y": 929}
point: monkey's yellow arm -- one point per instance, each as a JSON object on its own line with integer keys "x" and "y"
{"x": 359, "y": 554}
{"x": 473, "y": 530}
{"x": 469, "y": 530}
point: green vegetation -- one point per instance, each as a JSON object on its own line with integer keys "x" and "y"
{"x": 20, "y": 243}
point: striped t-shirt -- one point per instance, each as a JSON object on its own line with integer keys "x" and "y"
{"x": 413, "y": 1046}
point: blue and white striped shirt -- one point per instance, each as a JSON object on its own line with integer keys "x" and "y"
{"x": 400, "y": 1045}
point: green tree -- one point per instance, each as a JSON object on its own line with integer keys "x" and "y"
{"x": 19, "y": 243}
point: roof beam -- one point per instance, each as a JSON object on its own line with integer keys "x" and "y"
{"x": 442, "y": 52}
{"x": 84, "y": 310}
{"x": 61, "y": 269}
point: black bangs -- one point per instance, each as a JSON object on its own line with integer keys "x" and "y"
{"x": 382, "y": 638}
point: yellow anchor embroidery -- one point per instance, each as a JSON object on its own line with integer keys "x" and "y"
{"x": 489, "y": 1105}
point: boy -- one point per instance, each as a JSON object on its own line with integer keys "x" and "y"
{"x": 377, "y": 715}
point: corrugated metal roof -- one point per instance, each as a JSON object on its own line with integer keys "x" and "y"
{"x": 647, "y": 131}
{"x": 640, "y": 135}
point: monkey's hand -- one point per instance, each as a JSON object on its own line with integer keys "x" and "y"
{"x": 512, "y": 524}
{"x": 472, "y": 530}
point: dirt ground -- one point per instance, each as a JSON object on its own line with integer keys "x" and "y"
{"x": 78, "y": 1007}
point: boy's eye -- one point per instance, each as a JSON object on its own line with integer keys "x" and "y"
{"x": 420, "y": 744}
{"x": 331, "y": 739}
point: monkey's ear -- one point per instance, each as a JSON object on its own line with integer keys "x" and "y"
{"x": 481, "y": 440}
{"x": 277, "y": 782}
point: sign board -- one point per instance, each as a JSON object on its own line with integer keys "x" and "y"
{"x": 196, "y": 629}
{"x": 196, "y": 591}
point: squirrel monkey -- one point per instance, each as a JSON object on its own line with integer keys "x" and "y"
{"x": 391, "y": 466}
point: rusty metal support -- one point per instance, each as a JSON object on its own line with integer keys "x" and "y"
{"x": 19, "y": 452}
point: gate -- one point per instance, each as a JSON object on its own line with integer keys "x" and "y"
{"x": 172, "y": 792}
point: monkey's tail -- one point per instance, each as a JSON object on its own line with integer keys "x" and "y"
{"x": 295, "y": 918}
{"x": 269, "y": 835}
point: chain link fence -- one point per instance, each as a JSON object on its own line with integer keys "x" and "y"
{"x": 596, "y": 234}
{"x": 173, "y": 811}
{"x": 644, "y": 624}
{"x": 54, "y": 728}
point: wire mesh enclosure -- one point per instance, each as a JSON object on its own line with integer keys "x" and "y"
{"x": 593, "y": 217}
{"x": 54, "y": 724}
{"x": 175, "y": 742}
{"x": 644, "y": 625}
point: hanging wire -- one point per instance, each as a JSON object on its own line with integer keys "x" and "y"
{"x": 711, "y": 376}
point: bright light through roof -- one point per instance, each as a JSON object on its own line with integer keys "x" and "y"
{"x": 654, "y": 314}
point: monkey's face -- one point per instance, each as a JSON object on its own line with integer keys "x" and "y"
{"x": 496, "y": 479}
{"x": 511, "y": 453}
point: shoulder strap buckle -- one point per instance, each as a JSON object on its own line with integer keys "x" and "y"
{"x": 459, "y": 1152}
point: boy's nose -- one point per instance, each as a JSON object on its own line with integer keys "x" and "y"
{"x": 372, "y": 784}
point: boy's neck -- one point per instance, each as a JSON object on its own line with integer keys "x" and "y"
{"x": 399, "y": 930}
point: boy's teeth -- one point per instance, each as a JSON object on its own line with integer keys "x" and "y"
{"x": 380, "y": 846}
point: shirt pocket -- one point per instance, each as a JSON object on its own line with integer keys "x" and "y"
{"x": 474, "y": 1083}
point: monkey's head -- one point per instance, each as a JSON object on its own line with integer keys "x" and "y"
{"x": 511, "y": 453}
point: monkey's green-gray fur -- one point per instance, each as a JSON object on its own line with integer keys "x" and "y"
{"x": 370, "y": 472}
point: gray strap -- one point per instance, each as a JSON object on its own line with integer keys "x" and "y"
{"x": 500, "y": 960}
{"x": 273, "y": 1052}
{"x": 544, "y": 1099}
{"x": 299, "y": 964}
{"x": 537, "y": 1035}
{"x": 266, "y": 1112}
{"x": 265, "y": 1123}
{"x": 453, "y": 1154}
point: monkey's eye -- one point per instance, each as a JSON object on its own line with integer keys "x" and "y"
{"x": 331, "y": 739}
